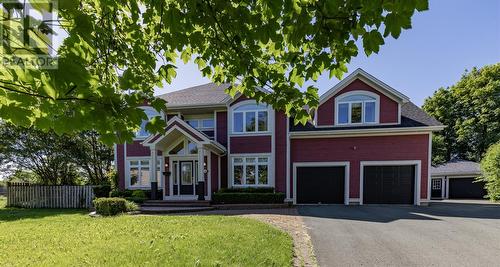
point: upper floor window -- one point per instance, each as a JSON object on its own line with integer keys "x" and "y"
{"x": 357, "y": 109}
{"x": 251, "y": 118}
{"x": 201, "y": 123}
{"x": 150, "y": 112}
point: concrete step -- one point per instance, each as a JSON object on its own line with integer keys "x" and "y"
{"x": 176, "y": 203}
{"x": 168, "y": 210}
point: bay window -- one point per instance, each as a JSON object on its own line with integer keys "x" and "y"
{"x": 357, "y": 109}
{"x": 251, "y": 171}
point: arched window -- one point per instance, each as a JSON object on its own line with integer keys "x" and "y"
{"x": 357, "y": 108}
{"x": 250, "y": 118}
{"x": 151, "y": 113}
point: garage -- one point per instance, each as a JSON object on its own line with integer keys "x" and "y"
{"x": 320, "y": 184}
{"x": 389, "y": 184}
{"x": 466, "y": 188}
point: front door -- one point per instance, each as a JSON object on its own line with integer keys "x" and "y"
{"x": 187, "y": 177}
{"x": 436, "y": 188}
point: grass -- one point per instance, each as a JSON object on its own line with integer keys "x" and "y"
{"x": 71, "y": 237}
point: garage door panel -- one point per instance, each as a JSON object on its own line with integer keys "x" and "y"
{"x": 320, "y": 185}
{"x": 463, "y": 188}
{"x": 388, "y": 184}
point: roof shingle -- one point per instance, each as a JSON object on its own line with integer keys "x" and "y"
{"x": 457, "y": 167}
{"x": 205, "y": 94}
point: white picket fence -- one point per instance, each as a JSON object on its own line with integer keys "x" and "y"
{"x": 25, "y": 195}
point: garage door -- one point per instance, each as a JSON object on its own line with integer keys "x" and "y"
{"x": 466, "y": 188}
{"x": 320, "y": 185}
{"x": 389, "y": 184}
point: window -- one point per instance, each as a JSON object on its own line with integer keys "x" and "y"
{"x": 187, "y": 173}
{"x": 201, "y": 123}
{"x": 251, "y": 171}
{"x": 436, "y": 184}
{"x": 139, "y": 175}
{"x": 250, "y": 118}
{"x": 151, "y": 113}
{"x": 356, "y": 109}
{"x": 184, "y": 147}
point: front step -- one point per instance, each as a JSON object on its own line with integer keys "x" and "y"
{"x": 168, "y": 210}
{"x": 176, "y": 203}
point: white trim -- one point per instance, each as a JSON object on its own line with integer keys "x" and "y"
{"x": 270, "y": 119}
{"x": 370, "y": 80}
{"x": 399, "y": 113}
{"x": 337, "y": 102}
{"x": 139, "y": 158}
{"x": 418, "y": 173}
{"x": 270, "y": 170}
{"x": 208, "y": 193}
{"x": 345, "y": 164}
{"x": 115, "y": 157}
{"x": 365, "y": 132}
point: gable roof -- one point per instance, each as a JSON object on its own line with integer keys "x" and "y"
{"x": 411, "y": 116}
{"x": 370, "y": 80}
{"x": 457, "y": 167}
{"x": 209, "y": 94}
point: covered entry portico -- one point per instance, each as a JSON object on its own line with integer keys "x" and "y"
{"x": 187, "y": 155}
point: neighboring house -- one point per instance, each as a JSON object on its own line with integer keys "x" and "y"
{"x": 367, "y": 144}
{"x": 456, "y": 179}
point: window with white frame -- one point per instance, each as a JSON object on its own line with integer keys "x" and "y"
{"x": 357, "y": 109}
{"x": 184, "y": 147}
{"x": 151, "y": 113}
{"x": 250, "y": 171}
{"x": 203, "y": 124}
{"x": 250, "y": 118}
{"x": 139, "y": 174}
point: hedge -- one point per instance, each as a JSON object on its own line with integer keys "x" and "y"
{"x": 107, "y": 206}
{"x": 247, "y": 190}
{"x": 248, "y": 198}
{"x": 135, "y": 193}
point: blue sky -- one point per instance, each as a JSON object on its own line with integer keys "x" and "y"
{"x": 452, "y": 36}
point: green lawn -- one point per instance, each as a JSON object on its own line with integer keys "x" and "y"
{"x": 71, "y": 237}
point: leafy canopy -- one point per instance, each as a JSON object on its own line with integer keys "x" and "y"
{"x": 471, "y": 111}
{"x": 118, "y": 51}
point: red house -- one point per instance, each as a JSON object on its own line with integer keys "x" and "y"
{"x": 367, "y": 144}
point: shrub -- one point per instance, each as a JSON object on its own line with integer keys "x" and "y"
{"x": 248, "y": 198}
{"x": 139, "y": 193}
{"x": 138, "y": 200}
{"x": 130, "y": 193}
{"x": 131, "y": 206}
{"x": 101, "y": 190}
{"x": 490, "y": 166}
{"x": 248, "y": 190}
{"x": 110, "y": 206}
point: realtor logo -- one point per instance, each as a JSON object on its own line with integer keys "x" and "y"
{"x": 27, "y": 30}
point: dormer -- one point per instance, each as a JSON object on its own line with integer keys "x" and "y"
{"x": 360, "y": 100}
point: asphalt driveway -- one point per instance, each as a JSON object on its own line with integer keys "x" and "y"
{"x": 439, "y": 235}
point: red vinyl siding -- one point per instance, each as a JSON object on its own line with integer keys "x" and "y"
{"x": 251, "y": 144}
{"x": 214, "y": 165}
{"x": 356, "y": 149}
{"x": 280, "y": 149}
{"x": 388, "y": 107}
{"x": 136, "y": 149}
{"x": 221, "y": 128}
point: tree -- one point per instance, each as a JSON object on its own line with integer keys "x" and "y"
{"x": 54, "y": 159}
{"x": 490, "y": 166}
{"x": 471, "y": 111}
{"x": 118, "y": 51}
